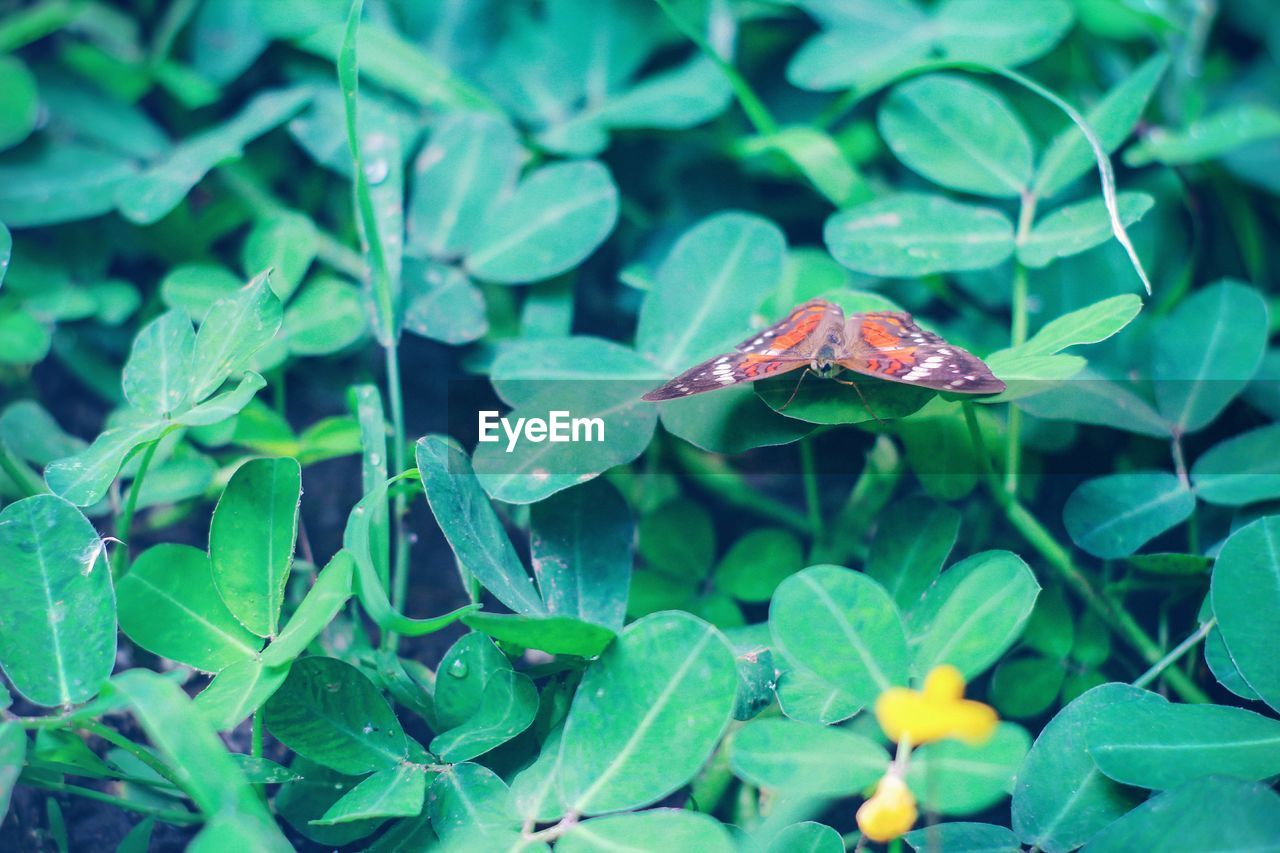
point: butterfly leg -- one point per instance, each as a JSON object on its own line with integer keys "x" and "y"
{"x": 795, "y": 391}
{"x": 865, "y": 404}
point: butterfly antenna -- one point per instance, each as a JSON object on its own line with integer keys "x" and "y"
{"x": 865, "y": 404}
{"x": 795, "y": 390}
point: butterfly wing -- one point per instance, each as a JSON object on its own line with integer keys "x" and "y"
{"x": 780, "y": 348}
{"x": 889, "y": 345}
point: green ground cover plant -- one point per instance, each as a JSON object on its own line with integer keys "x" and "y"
{"x": 262, "y": 264}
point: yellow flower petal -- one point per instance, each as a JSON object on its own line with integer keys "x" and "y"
{"x": 935, "y": 713}
{"x": 890, "y": 812}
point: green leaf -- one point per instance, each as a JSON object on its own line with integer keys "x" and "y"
{"x": 818, "y": 157}
{"x": 912, "y": 541}
{"x": 808, "y": 837}
{"x": 678, "y": 539}
{"x": 707, "y": 288}
{"x": 26, "y": 339}
{"x": 325, "y": 598}
{"x": 555, "y": 635}
{"x": 1245, "y": 589}
{"x": 1079, "y": 227}
{"x": 329, "y": 712}
{"x": 1240, "y": 470}
{"x": 806, "y": 759}
{"x": 473, "y": 529}
{"x": 956, "y": 778}
{"x": 1151, "y": 743}
{"x": 238, "y": 691}
{"x": 912, "y": 234}
{"x": 1206, "y": 350}
{"x": 196, "y": 287}
{"x": 614, "y": 427}
{"x": 867, "y": 46}
{"x": 442, "y": 304}
{"x": 1090, "y": 325}
{"x": 57, "y": 607}
{"x": 821, "y": 402}
{"x": 666, "y": 829}
{"x": 1207, "y": 138}
{"x": 1025, "y": 687}
{"x": 168, "y": 605}
{"x": 157, "y": 376}
{"x": 809, "y": 698}
{"x": 843, "y": 627}
{"x": 1090, "y": 399}
{"x": 647, "y": 714}
{"x": 395, "y": 792}
{"x": 469, "y": 664}
{"x": 524, "y": 368}
{"x": 1069, "y": 155}
{"x": 582, "y": 544}
{"x": 535, "y": 790}
{"x": 470, "y": 160}
{"x": 1051, "y": 629}
{"x": 1114, "y": 516}
{"x": 507, "y": 707}
{"x": 162, "y": 186}
{"x": 1061, "y": 799}
{"x": 307, "y": 799}
{"x": 251, "y": 539}
{"x": 13, "y": 754}
{"x": 466, "y": 798}
{"x": 551, "y": 223}
{"x": 940, "y": 450}
{"x": 1203, "y": 814}
{"x": 83, "y": 479}
{"x": 1224, "y": 669}
{"x": 284, "y": 243}
{"x": 19, "y": 102}
{"x": 219, "y": 407}
{"x": 236, "y": 327}
{"x": 962, "y": 837}
{"x": 44, "y": 184}
{"x": 975, "y": 612}
{"x": 754, "y": 565}
{"x": 197, "y": 757}
{"x": 959, "y": 134}
{"x": 6, "y": 249}
{"x": 326, "y": 317}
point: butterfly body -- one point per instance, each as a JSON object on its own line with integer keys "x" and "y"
{"x": 816, "y": 336}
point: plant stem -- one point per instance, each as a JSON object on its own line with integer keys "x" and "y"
{"x": 181, "y": 818}
{"x": 124, "y": 524}
{"x": 113, "y": 737}
{"x": 1018, "y": 337}
{"x": 22, "y": 476}
{"x": 1176, "y": 652}
{"x": 714, "y": 475}
{"x": 757, "y": 113}
{"x": 400, "y": 505}
{"x": 1119, "y": 620}
{"x": 811, "y": 498}
{"x": 255, "y": 745}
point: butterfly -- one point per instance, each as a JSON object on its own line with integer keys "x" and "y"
{"x": 816, "y": 335}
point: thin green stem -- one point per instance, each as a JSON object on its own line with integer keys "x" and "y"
{"x": 124, "y": 524}
{"x": 757, "y": 113}
{"x": 1174, "y": 654}
{"x": 400, "y": 504}
{"x": 174, "y": 816}
{"x": 144, "y": 755}
{"x": 34, "y": 23}
{"x": 1115, "y": 617}
{"x": 811, "y": 498}
{"x": 716, "y": 476}
{"x": 1017, "y": 337}
{"x": 255, "y": 743}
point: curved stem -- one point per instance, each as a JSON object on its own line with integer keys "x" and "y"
{"x": 181, "y": 818}
{"x": 124, "y": 523}
{"x": 1120, "y": 621}
{"x": 145, "y": 756}
{"x": 1176, "y": 652}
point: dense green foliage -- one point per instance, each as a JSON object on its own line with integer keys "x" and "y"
{"x": 246, "y": 249}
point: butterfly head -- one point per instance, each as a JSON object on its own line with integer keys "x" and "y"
{"x": 824, "y": 360}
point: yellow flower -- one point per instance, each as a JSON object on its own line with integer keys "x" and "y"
{"x": 938, "y": 711}
{"x": 890, "y": 812}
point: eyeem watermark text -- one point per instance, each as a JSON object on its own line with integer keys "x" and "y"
{"x": 557, "y": 426}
